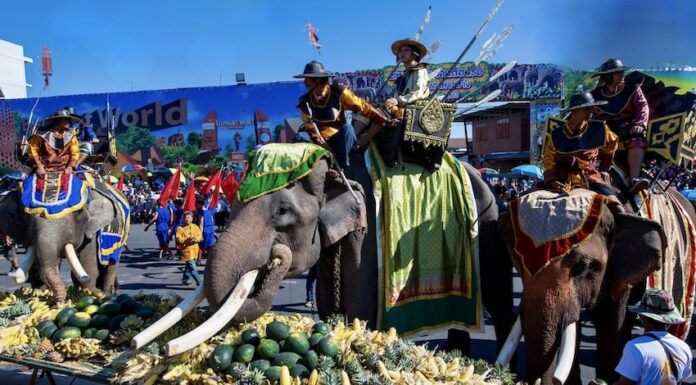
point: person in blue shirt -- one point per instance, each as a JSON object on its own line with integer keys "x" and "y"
{"x": 163, "y": 218}
{"x": 207, "y": 225}
{"x": 86, "y": 136}
{"x": 178, "y": 210}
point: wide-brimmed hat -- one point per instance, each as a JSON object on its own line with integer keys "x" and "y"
{"x": 314, "y": 69}
{"x": 582, "y": 99}
{"x": 609, "y": 66}
{"x": 420, "y": 49}
{"x": 72, "y": 112}
{"x": 658, "y": 305}
{"x": 63, "y": 114}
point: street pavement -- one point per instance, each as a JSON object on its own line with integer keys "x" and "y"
{"x": 140, "y": 270}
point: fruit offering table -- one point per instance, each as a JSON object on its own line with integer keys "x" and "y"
{"x": 74, "y": 369}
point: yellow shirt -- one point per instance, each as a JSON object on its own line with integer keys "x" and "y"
{"x": 44, "y": 149}
{"x": 189, "y": 249}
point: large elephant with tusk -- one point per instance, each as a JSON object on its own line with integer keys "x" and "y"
{"x": 593, "y": 259}
{"x": 73, "y": 236}
{"x": 317, "y": 220}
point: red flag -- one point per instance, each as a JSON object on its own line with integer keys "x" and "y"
{"x": 229, "y": 187}
{"x": 213, "y": 181}
{"x": 190, "y": 200}
{"x": 119, "y": 186}
{"x": 216, "y": 195}
{"x": 313, "y": 37}
{"x": 176, "y": 178}
{"x": 170, "y": 188}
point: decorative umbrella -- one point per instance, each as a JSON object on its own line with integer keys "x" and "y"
{"x": 113, "y": 179}
{"x": 132, "y": 167}
{"x": 487, "y": 171}
{"x": 529, "y": 170}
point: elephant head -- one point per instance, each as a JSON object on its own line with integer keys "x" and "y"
{"x": 598, "y": 273}
{"x": 282, "y": 234}
{"x": 73, "y": 234}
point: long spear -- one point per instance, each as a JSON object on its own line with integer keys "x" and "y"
{"x": 497, "y": 75}
{"x": 490, "y": 16}
{"x": 488, "y": 98}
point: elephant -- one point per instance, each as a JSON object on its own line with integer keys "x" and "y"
{"x": 74, "y": 234}
{"x": 597, "y": 274}
{"x": 316, "y": 220}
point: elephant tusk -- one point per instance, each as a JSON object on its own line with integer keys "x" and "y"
{"x": 75, "y": 264}
{"x": 510, "y": 346}
{"x": 218, "y": 320}
{"x": 20, "y": 275}
{"x": 566, "y": 354}
{"x": 175, "y": 315}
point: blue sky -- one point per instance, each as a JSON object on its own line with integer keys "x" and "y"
{"x": 108, "y": 46}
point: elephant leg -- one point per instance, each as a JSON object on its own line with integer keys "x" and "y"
{"x": 613, "y": 331}
{"x": 88, "y": 258}
{"x": 107, "y": 278}
{"x": 496, "y": 281}
{"x": 35, "y": 277}
{"x": 357, "y": 278}
{"x": 48, "y": 255}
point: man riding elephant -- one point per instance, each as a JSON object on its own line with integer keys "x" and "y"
{"x": 323, "y": 110}
{"x": 626, "y": 113}
{"x": 56, "y": 150}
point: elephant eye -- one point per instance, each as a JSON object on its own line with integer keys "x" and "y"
{"x": 580, "y": 267}
{"x": 283, "y": 209}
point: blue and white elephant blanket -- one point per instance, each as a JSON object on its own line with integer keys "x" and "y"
{"x": 427, "y": 247}
{"x": 113, "y": 237}
{"x": 54, "y": 196}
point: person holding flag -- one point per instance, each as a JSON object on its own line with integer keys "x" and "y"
{"x": 206, "y": 213}
{"x": 164, "y": 217}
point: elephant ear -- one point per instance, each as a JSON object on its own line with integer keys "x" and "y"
{"x": 638, "y": 248}
{"x": 100, "y": 212}
{"x": 341, "y": 213}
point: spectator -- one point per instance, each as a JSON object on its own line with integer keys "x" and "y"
{"x": 311, "y": 280}
{"x": 187, "y": 237}
{"x": 656, "y": 357}
{"x": 10, "y": 251}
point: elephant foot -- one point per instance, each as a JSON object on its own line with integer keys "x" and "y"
{"x": 458, "y": 340}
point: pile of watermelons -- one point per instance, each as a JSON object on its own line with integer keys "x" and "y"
{"x": 276, "y": 348}
{"x": 92, "y": 317}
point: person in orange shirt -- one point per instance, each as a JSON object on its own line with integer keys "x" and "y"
{"x": 187, "y": 237}
{"x": 56, "y": 150}
{"x": 579, "y": 153}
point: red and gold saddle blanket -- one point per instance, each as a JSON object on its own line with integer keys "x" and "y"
{"x": 548, "y": 225}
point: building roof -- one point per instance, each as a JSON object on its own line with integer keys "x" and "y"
{"x": 294, "y": 124}
{"x": 466, "y": 112}
{"x": 260, "y": 116}
{"x": 456, "y": 143}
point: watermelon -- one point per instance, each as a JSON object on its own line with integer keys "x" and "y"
{"x": 288, "y": 359}
{"x": 66, "y": 332}
{"x": 91, "y": 309}
{"x": 260, "y": 365}
{"x": 268, "y": 349}
{"x": 244, "y": 353}
{"x": 299, "y": 370}
{"x": 80, "y": 320}
{"x": 101, "y": 334}
{"x": 48, "y": 330}
{"x": 64, "y": 315}
{"x": 89, "y": 332}
{"x": 297, "y": 343}
{"x": 277, "y": 331}
{"x": 327, "y": 348}
{"x": 115, "y": 322}
{"x": 145, "y": 313}
{"x": 272, "y": 373}
{"x": 99, "y": 321}
{"x": 310, "y": 359}
{"x": 321, "y": 328}
{"x": 109, "y": 308}
{"x": 85, "y": 301}
{"x": 251, "y": 336}
{"x": 221, "y": 357}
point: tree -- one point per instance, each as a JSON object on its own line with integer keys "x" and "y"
{"x": 228, "y": 150}
{"x": 134, "y": 139}
{"x": 250, "y": 144}
{"x": 187, "y": 154}
{"x": 194, "y": 139}
{"x": 276, "y": 132}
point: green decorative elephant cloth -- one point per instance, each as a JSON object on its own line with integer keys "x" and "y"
{"x": 428, "y": 254}
{"x": 276, "y": 165}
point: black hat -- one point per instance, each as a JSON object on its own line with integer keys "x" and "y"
{"x": 63, "y": 114}
{"x": 314, "y": 69}
{"x": 419, "y": 50}
{"x": 72, "y": 112}
{"x": 582, "y": 99}
{"x": 609, "y": 66}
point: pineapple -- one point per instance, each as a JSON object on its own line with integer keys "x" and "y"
{"x": 4, "y": 322}
{"x": 45, "y": 346}
{"x": 153, "y": 348}
{"x": 55, "y": 357}
{"x": 253, "y": 377}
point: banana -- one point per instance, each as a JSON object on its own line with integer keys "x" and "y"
{"x": 313, "y": 378}
{"x": 344, "y": 378}
{"x": 382, "y": 370}
{"x": 468, "y": 372}
{"x": 285, "y": 378}
{"x": 392, "y": 332}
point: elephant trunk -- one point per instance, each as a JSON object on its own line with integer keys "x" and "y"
{"x": 545, "y": 315}
{"x": 238, "y": 252}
